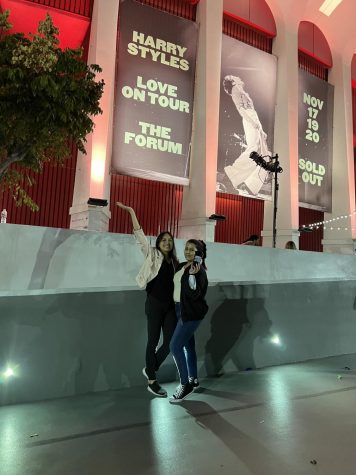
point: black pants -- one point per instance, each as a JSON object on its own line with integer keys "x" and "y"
{"x": 160, "y": 316}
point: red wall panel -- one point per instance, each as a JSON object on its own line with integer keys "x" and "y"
{"x": 311, "y": 241}
{"x": 53, "y": 189}
{"x": 53, "y": 192}
{"x": 158, "y": 205}
{"x": 244, "y": 216}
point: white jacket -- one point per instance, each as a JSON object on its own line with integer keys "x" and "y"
{"x": 152, "y": 263}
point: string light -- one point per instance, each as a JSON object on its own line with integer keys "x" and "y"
{"x": 316, "y": 225}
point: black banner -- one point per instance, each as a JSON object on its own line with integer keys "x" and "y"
{"x": 316, "y": 98}
{"x": 154, "y": 94}
{"x": 246, "y": 123}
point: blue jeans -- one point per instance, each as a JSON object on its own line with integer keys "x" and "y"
{"x": 183, "y": 347}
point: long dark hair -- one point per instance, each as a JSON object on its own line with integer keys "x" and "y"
{"x": 172, "y": 254}
{"x": 253, "y": 238}
{"x": 201, "y": 249}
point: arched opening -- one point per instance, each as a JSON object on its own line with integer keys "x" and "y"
{"x": 314, "y": 53}
{"x": 251, "y": 22}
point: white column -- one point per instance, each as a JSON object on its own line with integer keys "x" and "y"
{"x": 199, "y": 198}
{"x": 93, "y": 170}
{"x": 343, "y": 181}
{"x": 285, "y": 141}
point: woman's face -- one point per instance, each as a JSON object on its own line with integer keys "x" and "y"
{"x": 166, "y": 244}
{"x": 189, "y": 251}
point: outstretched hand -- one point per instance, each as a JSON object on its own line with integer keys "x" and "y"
{"x": 194, "y": 269}
{"x": 136, "y": 225}
{"x": 122, "y": 206}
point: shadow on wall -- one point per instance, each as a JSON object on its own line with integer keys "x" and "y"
{"x": 69, "y": 344}
{"x": 234, "y": 326}
{"x": 102, "y": 357}
{"x": 53, "y": 239}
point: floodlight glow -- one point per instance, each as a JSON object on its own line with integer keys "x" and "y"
{"x": 9, "y": 372}
{"x": 276, "y": 340}
{"x": 98, "y": 164}
{"x": 329, "y": 6}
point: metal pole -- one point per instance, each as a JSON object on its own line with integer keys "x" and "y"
{"x": 272, "y": 167}
{"x": 275, "y": 202}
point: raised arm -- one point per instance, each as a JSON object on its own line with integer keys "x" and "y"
{"x": 136, "y": 225}
{"x": 139, "y": 234}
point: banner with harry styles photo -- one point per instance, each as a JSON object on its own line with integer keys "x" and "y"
{"x": 154, "y": 94}
{"x": 246, "y": 121}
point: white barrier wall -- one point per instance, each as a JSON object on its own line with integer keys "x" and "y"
{"x": 72, "y": 319}
{"x": 35, "y": 258}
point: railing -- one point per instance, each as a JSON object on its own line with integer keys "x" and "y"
{"x": 247, "y": 34}
{"x": 312, "y": 66}
{"x": 79, "y": 7}
{"x": 183, "y": 8}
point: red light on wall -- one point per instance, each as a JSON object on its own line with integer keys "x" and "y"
{"x": 25, "y": 16}
{"x": 98, "y": 164}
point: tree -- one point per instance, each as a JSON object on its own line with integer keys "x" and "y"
{"x": 48, "y": 97}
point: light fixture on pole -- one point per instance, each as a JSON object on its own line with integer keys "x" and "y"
{"x": 272, "y": 166}
{"x": 217, "y": 217}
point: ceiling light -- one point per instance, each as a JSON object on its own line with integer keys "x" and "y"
{"x": 329, "y": 6}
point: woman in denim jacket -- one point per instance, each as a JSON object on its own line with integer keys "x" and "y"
{"x": 156, "y": 275}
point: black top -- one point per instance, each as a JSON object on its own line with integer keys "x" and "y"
{"x": 193, "y": 303}
{"x": 162, "y": 286}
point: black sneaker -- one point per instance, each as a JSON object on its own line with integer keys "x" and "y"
{"x": 181, "y": 393}
{"x": 156, "y": 389}
{"x": 194, "y": 382}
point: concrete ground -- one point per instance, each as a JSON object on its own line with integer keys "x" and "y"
{"x": 293, "y": 419}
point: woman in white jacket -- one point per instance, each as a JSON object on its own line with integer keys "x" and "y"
{"x": 156, "y": 275}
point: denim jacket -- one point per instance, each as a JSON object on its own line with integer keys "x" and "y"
{"x": 152, "y": 263}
